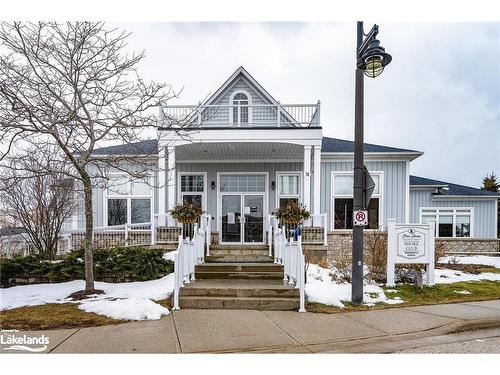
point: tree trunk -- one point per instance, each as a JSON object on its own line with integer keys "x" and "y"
{"x": 88, "y": 242}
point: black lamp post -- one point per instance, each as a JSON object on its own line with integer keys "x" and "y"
{"x": 371, "y": 59}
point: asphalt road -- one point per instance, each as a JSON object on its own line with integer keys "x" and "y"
{"x": 486, "y": 345}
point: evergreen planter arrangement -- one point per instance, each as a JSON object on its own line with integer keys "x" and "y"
{"x": 291, "y": 218}
{"x": 188, "y": 214}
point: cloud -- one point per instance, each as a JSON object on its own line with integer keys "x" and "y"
{"x": 439, "y": 95}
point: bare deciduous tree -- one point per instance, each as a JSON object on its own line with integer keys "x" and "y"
{"x": 40, "y": 203}
{"x": 72, "y": 86}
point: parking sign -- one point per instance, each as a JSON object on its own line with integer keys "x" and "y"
{"x": 360, "y": 218}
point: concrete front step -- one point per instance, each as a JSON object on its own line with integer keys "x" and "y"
{"x": 239, "y": 267}
{"x": 239, "y": 252}
{"x": 239, "y": 271}
{"x": 240, "y": 303}
{"x": 238, "y": 258}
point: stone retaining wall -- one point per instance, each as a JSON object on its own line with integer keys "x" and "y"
{"x": 341, "y": 241}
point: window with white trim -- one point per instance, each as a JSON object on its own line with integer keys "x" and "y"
{"x": 240, "y": 108}
{"x": 192, "y": 188}
{"x": 450, "y": 221}
{"x": 288, "y": 188}
{"x": 128, "y": 200}
{"x": 342, "y": 201}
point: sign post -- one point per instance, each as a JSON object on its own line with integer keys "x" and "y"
{"x": 410, "y": 244}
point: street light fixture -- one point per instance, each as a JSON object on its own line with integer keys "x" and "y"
{"x": 371, "y": 60}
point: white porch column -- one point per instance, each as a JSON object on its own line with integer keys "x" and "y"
{"x": 162, "y": 189}
{"x": 172, "y": 181}
{"x": 307, "y": 178}
{"x": 317, "y": 180}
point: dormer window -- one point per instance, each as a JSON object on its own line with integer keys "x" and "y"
{"x": 240, "y": 108}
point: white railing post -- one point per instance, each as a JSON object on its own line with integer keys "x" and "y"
{"x": 209, "y": 233}
{"x": 153, "y": 231}
{"x": 178, "y": 273}
{"x": 325, "y": 229}
{"x": 126, "y": 234}
{"x": 301, "y": 276}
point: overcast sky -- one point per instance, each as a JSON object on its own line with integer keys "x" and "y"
{"x": 439, "y": 95}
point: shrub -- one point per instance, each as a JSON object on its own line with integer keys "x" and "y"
{"x": 376, "y": 255}
{"x": 120, "y": 264}
{"x": 342, "y": 265}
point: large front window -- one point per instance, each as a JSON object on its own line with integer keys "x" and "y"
{"x": 450, "y": 222}
{"x": 128, "y": 200}
{"x": 342, "y": 184}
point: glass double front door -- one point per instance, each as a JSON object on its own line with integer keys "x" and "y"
{"x": 242, "y": 218}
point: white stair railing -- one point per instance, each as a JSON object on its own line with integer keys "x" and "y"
{"x": 289, "y": 254}
{"x": 189, "y": 254}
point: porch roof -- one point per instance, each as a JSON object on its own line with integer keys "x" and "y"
{"x": 329, "y": 145}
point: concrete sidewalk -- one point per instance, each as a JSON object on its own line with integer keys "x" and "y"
{"x": 216, "y": 331}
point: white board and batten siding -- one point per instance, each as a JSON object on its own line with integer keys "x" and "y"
{"x": 212, "y": 169}
{"x": 393, "y": 187}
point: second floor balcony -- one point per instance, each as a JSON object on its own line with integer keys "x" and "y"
{"x": 241, "y": 115}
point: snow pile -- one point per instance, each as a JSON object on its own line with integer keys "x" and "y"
{"x": 128, "y": 308}
{"x": 472, "y": 259}
{"x": 129, "y": 301}
{"x": 447, "y": 276}
{"x": 322, "y": 289}
{"x": 170, "y": 255}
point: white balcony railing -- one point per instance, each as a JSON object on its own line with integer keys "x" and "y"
{"x": 253, "y": 115}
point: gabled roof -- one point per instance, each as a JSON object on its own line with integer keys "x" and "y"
{"x": 342, "y": 145}
{"x": 240, "y": 71}
{"x": 149, "y": 147}
{"x": 450, "y": 189}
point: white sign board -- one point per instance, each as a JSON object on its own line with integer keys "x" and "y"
{"x": 410, "y": 244}
{"x": 360, "y": 218}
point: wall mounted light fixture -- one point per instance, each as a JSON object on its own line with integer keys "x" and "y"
{"x": 273, "y": 185}
{"x": 212, "y": 185}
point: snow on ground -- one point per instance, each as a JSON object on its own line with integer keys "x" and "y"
{"x": 170, "y": 255}
{"x": 38, "y": 294}
{"x": 322, "y": 289}
{"x": 129, "y": 308}
{"x": 472, "y": 259}
{"x": 131, "y": 301}
{"x": 447, "y": 276}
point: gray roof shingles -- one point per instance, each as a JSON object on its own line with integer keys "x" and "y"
{"x": 341, "y": 145}
{"x": 451, "y": 189}
{"x": 149, "y": 147}
{"x": 328, "y": 145}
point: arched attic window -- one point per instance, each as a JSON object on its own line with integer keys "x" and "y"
{"x": 240, "y": 108}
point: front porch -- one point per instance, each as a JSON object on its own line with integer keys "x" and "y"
{"x": 240, "y": 176}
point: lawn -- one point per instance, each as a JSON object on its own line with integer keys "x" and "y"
{"x": 52, "y": 316}
{"x": 57, "y": 316}
{"x": 412, "y": 296}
